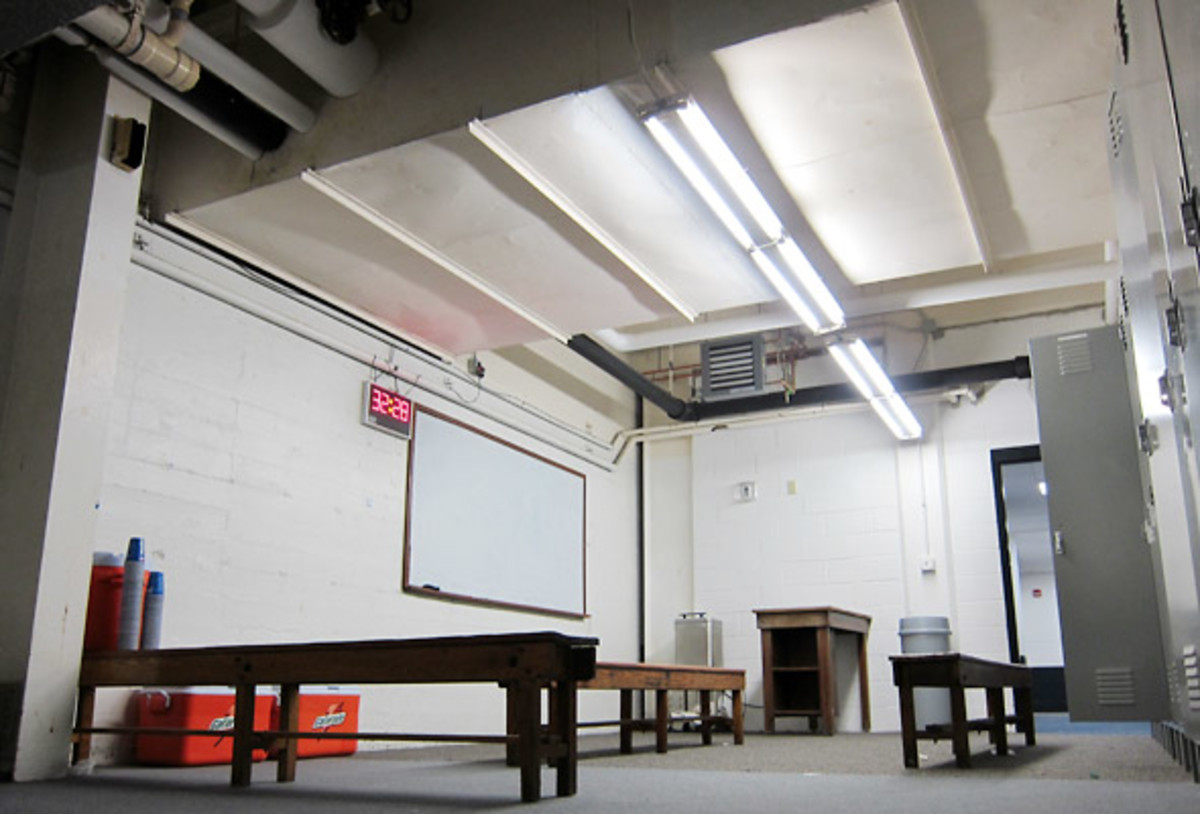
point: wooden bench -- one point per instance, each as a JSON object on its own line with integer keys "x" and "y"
{"x": 661, "y": 678}
{"x": 958, "y": 673}
{"x": 523, "y": 664}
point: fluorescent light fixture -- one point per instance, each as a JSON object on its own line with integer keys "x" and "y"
{"x": 699, "y": 181}
{"x": 689, "y": 139}
{"x": 389, "y": 227}
{"x": 865, "y": 373}
{"x": 785, "y": 289}
{"x": 502, "y": 150}
{"x": 723, "y": 163}
{"x": 813, "y": 285}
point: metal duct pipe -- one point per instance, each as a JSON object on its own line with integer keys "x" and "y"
{"x": 257, "y": 87}
{"x": 680, "y": 410}
{"x": 599, "y": 356}
{"x": 1017, "y": 368}
{"x": 293, "y": 28}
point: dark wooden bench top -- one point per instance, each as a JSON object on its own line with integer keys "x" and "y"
{"x": 523, "y": 663}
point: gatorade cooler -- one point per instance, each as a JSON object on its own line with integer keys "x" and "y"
{"x": 328, "y": 709}
{"x": 104, "y": 602}
{"x": 208, "y": 708}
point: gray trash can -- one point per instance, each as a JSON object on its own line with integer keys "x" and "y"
{"x": 927, "y": 634}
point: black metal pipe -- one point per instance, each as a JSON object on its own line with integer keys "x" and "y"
{"x": 599, "y": 356}
{"x": 1017, "y": 368}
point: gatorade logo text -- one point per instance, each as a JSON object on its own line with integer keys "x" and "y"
{"x": 335, "y": 715}
{"x": 221, "y": 724}
{"x": 326, "y": 721}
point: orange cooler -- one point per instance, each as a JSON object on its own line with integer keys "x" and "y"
{"x": 209, "y": 708}
{"x": 326, "y": 710}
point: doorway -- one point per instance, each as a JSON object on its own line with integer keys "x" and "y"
{"x": 1027, "y": 569}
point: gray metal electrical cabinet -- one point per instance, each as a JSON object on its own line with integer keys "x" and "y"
{"x": 1103, "y": 564}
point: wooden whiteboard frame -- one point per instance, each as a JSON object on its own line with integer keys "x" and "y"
{"x": 479, "y": 596}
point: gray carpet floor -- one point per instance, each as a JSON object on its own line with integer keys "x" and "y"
{"x": 844, "y": 773}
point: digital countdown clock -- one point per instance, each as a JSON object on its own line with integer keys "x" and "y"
{"x": 387, "y": 411}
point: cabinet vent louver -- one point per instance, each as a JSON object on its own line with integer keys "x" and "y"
{"x": 732, "y": 367}
{"x": 1115, "y": 687}
{"x": 1074, "y": 354}
{"x": 1191, "y": 676}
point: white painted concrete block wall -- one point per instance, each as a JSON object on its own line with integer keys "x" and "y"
{"x": 237, "y": 452}
{"x": 864, "y": 513}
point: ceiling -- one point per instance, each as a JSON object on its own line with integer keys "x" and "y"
{"x": 946, "y": 156}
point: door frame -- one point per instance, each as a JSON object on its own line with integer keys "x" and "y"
{"x": 1001, "y": 457}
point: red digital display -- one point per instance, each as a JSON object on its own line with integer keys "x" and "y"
{"x": 387, "y": 410}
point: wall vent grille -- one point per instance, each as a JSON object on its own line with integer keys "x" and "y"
{"x": 1191, "y": 676}
{"x": 1115, "y": 687}
{"x": 732, "y": 367}
{"x": 1074, "y": 354}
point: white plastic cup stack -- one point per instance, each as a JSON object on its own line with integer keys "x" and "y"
{"x": 129, "y": 630}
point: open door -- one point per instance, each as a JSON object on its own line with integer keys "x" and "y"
{"x": 1108, "y": 604}
{"x": 1027, "y": 566}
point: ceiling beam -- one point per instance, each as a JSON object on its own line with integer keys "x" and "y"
{"x": 774, "y": 316}
{"x": 920, "y": 45}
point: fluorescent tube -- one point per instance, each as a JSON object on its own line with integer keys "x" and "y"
{"x": 813, "y": 285}
{"x": 729, "y": 168}
{"x": 783, "y": 286}
{"x": 869, "y": 378}
{"x": 699, "y": 181}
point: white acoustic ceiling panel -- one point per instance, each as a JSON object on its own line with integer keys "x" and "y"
{"x": 327, "y": 248}
{"x": 841, "y": 110}
{"x": 592, "y": 148}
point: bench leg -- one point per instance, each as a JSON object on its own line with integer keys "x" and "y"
{"x": 511, "y": 755}
{"x": 243, "y": 735}
{"x": 998, "y": 733}
{"x": 739, "y": 730}
{"x": 626, "y": 722}
{"x": 564, "y": 710}
{"x": 662, "y": 717}
{"x": 526, "y": 725}
{"x": 289, "y": 721}
{"x": 908, "y": 726}
{"x": 85, "y": 712}
{"x": 705, "y": 717}
{"x": 1023, "y": 700}
{"x": 827, "y": 679}
{"x": 959, "y": 730}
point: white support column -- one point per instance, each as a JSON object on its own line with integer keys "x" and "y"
{"x": 63, "y": 280}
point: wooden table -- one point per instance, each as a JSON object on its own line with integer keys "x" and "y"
{"x": 799, "y": 678}
{"x": 661, "y": 678}
{"x": 958, "y": 673}
{"x": 524, "y": 664}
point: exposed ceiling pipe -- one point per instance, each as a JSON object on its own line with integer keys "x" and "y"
{"x": 602, "y": 358}
{"x": 293, "y": 28}
{"x": 141, "y": 46}
{"x": 1016, "y": 368}
{"x": 215, "y": 57}
{"x": 139, "y": 80}
{"x": 680, "y": 410}
{"x": 174, "y": 79}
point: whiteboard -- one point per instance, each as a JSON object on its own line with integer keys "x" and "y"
{"x": 490, "y": 522}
